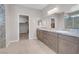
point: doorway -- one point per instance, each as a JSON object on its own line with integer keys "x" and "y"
{"x": 23, "y": 27}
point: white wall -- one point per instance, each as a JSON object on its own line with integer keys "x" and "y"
{"x": 12, "y": 21}
{"x": 11, "y": 24}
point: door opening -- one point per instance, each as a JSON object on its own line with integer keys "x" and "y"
{"x": 23, "y": 27}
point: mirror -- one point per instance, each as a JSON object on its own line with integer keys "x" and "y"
{"x": 52, "y": 23}
{"x": 72, "y": 20}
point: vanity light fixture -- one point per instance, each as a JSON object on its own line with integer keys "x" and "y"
{"x": 52, "y": 11}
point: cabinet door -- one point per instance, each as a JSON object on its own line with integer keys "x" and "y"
{"x": 44, "y": 36}
{"x": 53, "y": 41}
{"x": 39, "y": 34}
{"x": 66, "y": 46}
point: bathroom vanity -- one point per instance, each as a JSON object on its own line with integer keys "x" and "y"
{"x": 62, "y": 42}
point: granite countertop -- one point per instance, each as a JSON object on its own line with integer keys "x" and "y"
{"x": 64, "y": 32}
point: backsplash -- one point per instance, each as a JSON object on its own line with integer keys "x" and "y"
{"x": 2, "y": 26}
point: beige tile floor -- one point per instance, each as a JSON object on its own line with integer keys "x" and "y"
{"x": 27, "y": 47}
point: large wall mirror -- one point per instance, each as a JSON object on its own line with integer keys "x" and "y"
{"x": 72, "y": 20}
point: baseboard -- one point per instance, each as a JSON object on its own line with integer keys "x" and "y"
{"x": 7, "y": 44}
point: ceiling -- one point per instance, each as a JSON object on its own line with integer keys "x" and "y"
{"x": 50, "y": 6}
{"x": 34, "y": 6}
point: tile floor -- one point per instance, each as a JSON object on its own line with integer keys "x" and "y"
{"x": 27, "y": 47}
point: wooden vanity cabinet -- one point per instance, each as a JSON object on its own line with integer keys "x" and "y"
{"x": 60, "y": 43}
